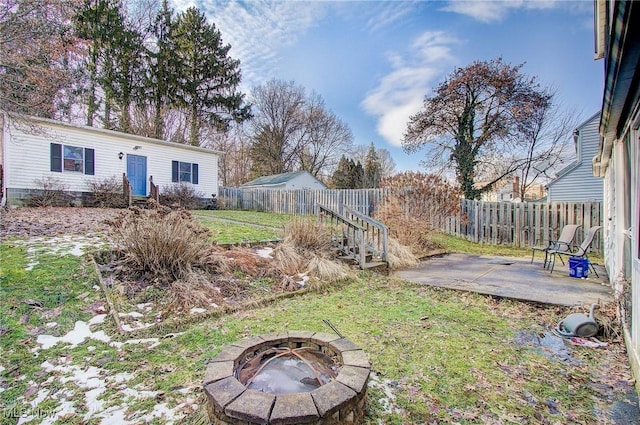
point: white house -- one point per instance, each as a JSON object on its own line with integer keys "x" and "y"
{"x": 33, "y": 150}
{"x": 618, "y": 157}
{"x": 576, "y": 182}
{"x": 286, "y": 181}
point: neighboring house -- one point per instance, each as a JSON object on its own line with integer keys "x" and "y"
{"x": 34, "y": 150}
{"x": 296, "y": 180}
{"x": 576, "y": 182}
{"x": 618, "y": 42}
{"x": 510, "y": 192}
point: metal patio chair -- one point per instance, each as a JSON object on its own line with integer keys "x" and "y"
{"x": 562, "y": 244}
{"x": 582, "y": 251}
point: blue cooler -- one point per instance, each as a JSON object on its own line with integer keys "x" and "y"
{"x": 578, "y": 267}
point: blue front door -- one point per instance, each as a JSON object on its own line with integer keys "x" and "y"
{"x": 137, "y": 174}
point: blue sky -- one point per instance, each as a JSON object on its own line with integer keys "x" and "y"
{"x": 374, "y": 61}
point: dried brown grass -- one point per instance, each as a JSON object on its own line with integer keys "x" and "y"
{"x": 307, "y": 235}
{"x": 323, "y": 272}
{"x": 399, "y": 256}
{"x": 306, "y": 250}
{"x": 162, "y": 244}
{"x": 286, "y": 258}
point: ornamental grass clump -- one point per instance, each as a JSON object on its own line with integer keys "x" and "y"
{"x": 306, "y": 251}
{"x": 164, "y": 245}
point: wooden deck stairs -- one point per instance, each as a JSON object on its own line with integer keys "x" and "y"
{"x": 356, "y": 238}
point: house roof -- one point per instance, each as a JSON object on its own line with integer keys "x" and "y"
{"x": 275, "y": 179}
{"x": 574, "y": 164}
{"x": 133, "y": 137}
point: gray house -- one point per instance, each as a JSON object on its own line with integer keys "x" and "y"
{"x": 286, "y": 181}
{"x": 575, "y": 182}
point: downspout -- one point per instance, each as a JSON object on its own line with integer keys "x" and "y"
{"x": 3, "y": 146}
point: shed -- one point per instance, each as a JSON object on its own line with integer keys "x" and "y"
{"x": 34, "y": 150}
{"x": 286, "y": 181}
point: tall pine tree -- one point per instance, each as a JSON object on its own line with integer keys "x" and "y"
{"x": 207, "y": 77}
{"x": 372, "y": 168}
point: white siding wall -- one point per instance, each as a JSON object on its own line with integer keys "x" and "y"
{"x": 304, "y": 181}
{"x": 27, "y": 157}
{"x": 579, "y": 184}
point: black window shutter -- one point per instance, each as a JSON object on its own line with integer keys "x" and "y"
{"x": 174, "y": 171}
{"x": 194, "y": 173}
{"x": 56, "y": 157}
{"x": 89, "y": 161}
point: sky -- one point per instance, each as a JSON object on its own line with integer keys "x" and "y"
{"x": 373, "y": 62}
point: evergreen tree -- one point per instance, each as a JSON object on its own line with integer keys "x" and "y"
{"x": 372, "y": 168}
{"x": 357, "y": 176}
{"x": 341, "y": 176}
{"x": 207, "y": 78}
{"x": 161, "y": 78}
{"x": 97, "y": 23}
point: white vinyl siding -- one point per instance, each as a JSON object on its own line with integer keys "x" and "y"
{"x": 576, "y": 183}
{"x": 27, "y": 156}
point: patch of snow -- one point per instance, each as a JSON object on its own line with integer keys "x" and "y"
{"x": 144, "y": 306}
{"x": 197, "y": 310}
{"x": 97, "y": 319}
{"x": 154, "y": 342}
{"x": 2, "y": 369}
{"x": 42, "y": 395}
{"x": 265, "y": 252}
{"x": 78, "y": 335}
{"x": 51, "y": 325}
{"x": 387, "y": 402}
{"x": 134, "y": 314}
{"x": 96, "y": 287}
{"x": 135, "y": 326}
{"x": 304, "y": 278}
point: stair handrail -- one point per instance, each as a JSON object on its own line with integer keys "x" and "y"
{"x": 379, "y": 236}
{"x": 154, "y": 190}
{"x": 359, "y": 240}
{"x": 126, "y": 189}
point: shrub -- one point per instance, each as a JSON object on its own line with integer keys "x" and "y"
{"x": 308, "y": 235}
{"x": 108, "y": 192}
{"x": 416, "y": 204}
{"x": 181, "y": 195}
{"x": 50, "y": 193}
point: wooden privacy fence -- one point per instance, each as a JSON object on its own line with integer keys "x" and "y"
{"x": 499, "y": 223}
{"x": 524, "y": 224}
{"x": 300, "y": 202}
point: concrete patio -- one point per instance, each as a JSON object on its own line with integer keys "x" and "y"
{"x": 510, "y": 277}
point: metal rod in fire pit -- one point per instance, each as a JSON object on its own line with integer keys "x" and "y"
{"x": 333, "y": 328}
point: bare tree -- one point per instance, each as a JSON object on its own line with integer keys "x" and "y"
{"x": 292, "y": 131}
{"x": 327, "y": 138}
{"x": 37, "y": 48}
{"x": 387, "y": 163}
{"x": 234, "y": 166}
{"x": 478, "y": 111}
{"x": 546, "y": 141}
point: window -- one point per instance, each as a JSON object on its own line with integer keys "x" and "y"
{"x": 66, "y": 158}
{"x": 73, "y": 159}
{"x": 184, "y": 172}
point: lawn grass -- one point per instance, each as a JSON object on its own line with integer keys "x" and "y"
{"x": 252, "y": 217}
{"x": 439, "y": 356}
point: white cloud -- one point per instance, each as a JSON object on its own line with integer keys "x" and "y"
{"x": 494, "y": 10}
{"x": 400, "y": 93}
{"x": 257, "y": 30}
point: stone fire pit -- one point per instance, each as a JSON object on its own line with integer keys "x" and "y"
{"x": 339, "y": 401}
